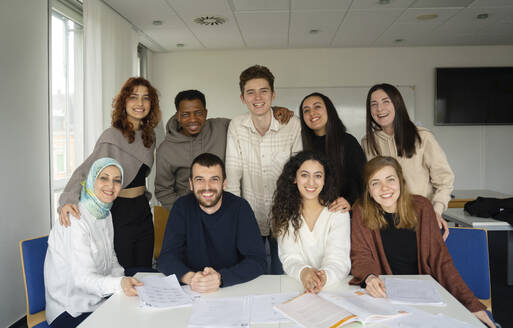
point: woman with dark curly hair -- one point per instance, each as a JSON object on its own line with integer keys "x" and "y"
{"x": 313, "y": 243}
{"x": 131, "y": 141}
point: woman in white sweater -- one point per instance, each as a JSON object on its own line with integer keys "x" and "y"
{"x": 81, "y": 268}
{"x": 313, "y": 243}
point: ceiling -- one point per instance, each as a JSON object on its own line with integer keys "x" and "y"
{"x": 278, "y": 24}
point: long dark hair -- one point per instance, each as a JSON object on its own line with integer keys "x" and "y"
{"x": 286, "y": 208}
{"x": 405, "y": 132}
{"x": 334, "y": 141}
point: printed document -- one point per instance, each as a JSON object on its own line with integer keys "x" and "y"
{"x": 220, "y": 312}
{"x": 162, "y": 292}
{"x": 412, "y": 291}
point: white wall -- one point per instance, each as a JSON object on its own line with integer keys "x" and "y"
{"x": 24, "y": 164}
{"x": 482, "y": 157}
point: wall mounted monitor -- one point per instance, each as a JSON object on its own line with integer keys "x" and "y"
{"x": 474, "y": 96}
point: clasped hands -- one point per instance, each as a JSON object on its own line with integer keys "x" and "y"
{"x": 313, "y": 280}
{"x": 206, "y": 281}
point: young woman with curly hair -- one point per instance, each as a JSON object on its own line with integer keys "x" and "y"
{"x": 313, "y": 243}
{"x": 322, "y": 130}
{"x": 390, "y": 132}
{"x": 130, "y": 141}
{"x": 395, "y": 232}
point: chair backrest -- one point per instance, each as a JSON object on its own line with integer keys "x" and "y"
{"x": 33, "y": 253}
{"x": 469, "y": 251}
{"x": 160, "y": 215}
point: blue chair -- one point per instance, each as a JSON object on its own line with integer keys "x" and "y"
{"x": 33, "y": 253}
{"x": 469, "y": 251}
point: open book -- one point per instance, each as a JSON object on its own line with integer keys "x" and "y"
{"x": 332, "y": 310}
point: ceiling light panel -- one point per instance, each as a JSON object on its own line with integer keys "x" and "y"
{"x": 410, "y": 15}
{"x": 301, "y": 5}
{"x": 260, "y": 5}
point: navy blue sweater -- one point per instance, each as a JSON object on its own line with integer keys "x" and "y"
{"x": 228, "y": 240}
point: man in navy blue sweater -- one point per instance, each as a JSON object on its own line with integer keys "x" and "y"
{"x": 212, "y": 239}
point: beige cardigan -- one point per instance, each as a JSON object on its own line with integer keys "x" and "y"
{"x": 427, "y": 173}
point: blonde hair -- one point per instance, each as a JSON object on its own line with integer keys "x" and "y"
{"x": 372, "y": 212}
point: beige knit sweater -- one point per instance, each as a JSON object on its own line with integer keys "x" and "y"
{"x": 427, "y": 173}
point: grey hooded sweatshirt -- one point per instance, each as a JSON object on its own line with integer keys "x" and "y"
{"x": 176, "y": 153}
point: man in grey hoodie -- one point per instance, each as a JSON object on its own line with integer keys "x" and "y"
{"x": 190, "y": 133}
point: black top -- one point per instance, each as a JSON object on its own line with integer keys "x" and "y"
{"x": 351, "y": 184}
{"x": 227, "y": 240}
{"x": 140, "y": 178}
{"x": 400, "y": 247}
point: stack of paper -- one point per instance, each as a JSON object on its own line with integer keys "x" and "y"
{"x": 162, "y": 292}
{"x": 412, "y": 291}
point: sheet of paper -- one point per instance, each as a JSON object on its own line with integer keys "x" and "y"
{"x": 412, "y": 291}
{"x": 262, "y": 308}
{"x": 422, "y": 319}
{"x": 193, "y": 295}
{"x": 220, "y": 312}
{"x": 162, "y": 292}
{"x": 367, "y": 308}
{"x": 312, "y": 311}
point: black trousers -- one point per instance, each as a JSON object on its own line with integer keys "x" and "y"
{"x": 65, "y": 320}
{"x": 133, "y": 231}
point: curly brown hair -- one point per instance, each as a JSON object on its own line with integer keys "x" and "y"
{"x": 119, "y": 115}
{"x": 286, "y": 208}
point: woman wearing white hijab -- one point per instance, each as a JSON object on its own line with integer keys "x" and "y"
{"x": 81, "y": 267}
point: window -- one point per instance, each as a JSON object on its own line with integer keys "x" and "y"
{"x": 142, "y": 57}
{"x": 66, "y": 94}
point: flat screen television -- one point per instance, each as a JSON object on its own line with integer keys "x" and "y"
{"x": 474, "y": 96}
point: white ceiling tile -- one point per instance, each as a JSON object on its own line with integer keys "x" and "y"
{"x": 440, "y": 3}
{"x": 363, "y": 27}
{"x": 199, "y": 7}
{"x": 465, "y": 22}
{"x": 410, "y": 15}
{"x": 374, "y": 4}
{"x": 301, "y": 5}
{"x": 491, "y": 3}
{"x": 260, "y": 5}
{"x": 140, "y": 13}
{"x": 325, "y": 22}
{"x": 168, "y": 38}
{"x": 226, "y": 35}
{"x": 264, "y": 30}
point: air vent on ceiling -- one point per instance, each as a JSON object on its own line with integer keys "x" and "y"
{"x": 210, "y": 20}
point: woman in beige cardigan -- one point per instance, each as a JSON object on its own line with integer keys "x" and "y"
{"x": 390, "y": 132}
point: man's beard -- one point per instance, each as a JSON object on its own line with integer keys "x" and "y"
{"x": 212, "y": 202}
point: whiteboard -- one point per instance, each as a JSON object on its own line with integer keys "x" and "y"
{"x": 349, "y": 101}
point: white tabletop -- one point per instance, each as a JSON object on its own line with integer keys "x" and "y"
{"x": 459, "y": 216}
{"x": 123, "y": 311}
